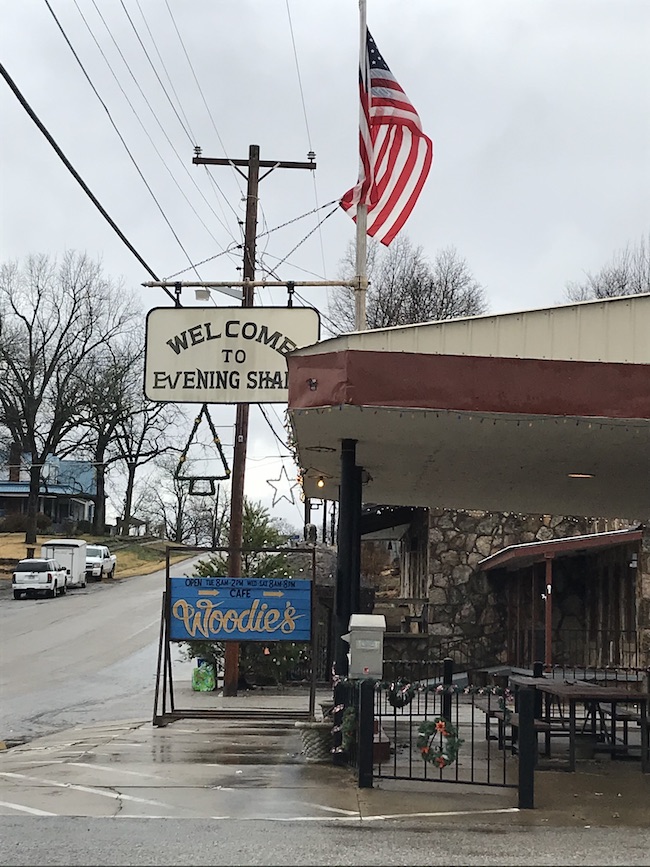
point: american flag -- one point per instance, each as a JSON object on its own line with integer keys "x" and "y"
{"x": 395, "y": 155}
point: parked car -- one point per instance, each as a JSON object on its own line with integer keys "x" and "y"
{"x": 99, "y": 562}
{"x": 35, "y": 576}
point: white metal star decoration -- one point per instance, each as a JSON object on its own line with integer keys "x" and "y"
{"x": 283, "y": 488}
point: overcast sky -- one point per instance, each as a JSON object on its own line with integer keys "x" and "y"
{"x": 538, "y": 110}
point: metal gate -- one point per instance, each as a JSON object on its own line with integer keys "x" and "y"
{"x": 423, "y": 724}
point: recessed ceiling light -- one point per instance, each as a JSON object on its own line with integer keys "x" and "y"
{"x": 580, "y": 475}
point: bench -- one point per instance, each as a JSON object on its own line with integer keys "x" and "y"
{"x": 627, "y": 716}
{"x": 490, "y": 708}
{"x": 492, "y": 711}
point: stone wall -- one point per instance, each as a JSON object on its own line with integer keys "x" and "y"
{"x": 464, "y": 607}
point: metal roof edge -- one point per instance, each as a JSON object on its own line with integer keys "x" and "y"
{"x": 514, "y": 552}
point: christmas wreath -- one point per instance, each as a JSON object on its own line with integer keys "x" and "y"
{"x": 445, "y": 751}
{"x": 401, "y": 693}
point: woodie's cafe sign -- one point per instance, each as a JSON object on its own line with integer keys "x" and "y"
{"x": 239, "y": 609}
{"x": 224, "y": 354}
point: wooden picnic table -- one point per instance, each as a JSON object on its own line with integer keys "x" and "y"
{"x": 593, "y": 696}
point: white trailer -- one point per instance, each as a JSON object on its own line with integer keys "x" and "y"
{"x": 70, "y": 553}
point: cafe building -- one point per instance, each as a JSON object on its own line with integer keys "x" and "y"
{"x": 520, "y": 443}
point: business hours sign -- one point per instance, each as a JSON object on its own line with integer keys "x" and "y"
{"x": 239, "y": 609}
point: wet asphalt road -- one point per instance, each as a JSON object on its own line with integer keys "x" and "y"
{"x": 74, "y": 842}
{"x": 85, "y": 657}
{"x": 90, "y": 657}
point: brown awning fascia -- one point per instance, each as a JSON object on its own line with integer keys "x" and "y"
{"x": 519, "y": 556}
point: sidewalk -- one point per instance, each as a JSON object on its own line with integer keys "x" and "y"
{"x": 255, "y": 768}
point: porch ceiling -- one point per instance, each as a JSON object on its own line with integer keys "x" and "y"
{"x": 461, "y": 460}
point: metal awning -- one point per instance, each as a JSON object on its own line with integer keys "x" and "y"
{"x": 520, "y": 556}
{"x": 539, "y": 412}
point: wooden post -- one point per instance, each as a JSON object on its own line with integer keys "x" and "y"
{"x": 231, "y": 661}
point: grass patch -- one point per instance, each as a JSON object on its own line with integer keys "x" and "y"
{"x": 134, "y": 557}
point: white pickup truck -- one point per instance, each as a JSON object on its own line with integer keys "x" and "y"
{"x": 100, "y": 563}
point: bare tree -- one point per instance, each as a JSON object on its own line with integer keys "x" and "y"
{"x": 628, "y": 273}
{"x": 55, "y": 316}
{"x": 114, "y": 388}
{"x": 166, "y": 501}
{"x": 209, "y": 516}
{"x": 405, "y": 288}
{"x": 140, "y": 437}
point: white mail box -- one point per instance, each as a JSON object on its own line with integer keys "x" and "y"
{"x": 366, "y": 639}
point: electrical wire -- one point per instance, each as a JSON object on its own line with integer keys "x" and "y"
{"x": 144, "y": 129}
{"x": 278, "y": 438}
{"x": 162, "y": 63}
{"x": 300, "y": 217}
{"x": 205, "y": 102}
{"x": 304, "y": 111}
{"x": 222, "y": 196}
{"x": 119, "y": 134}
{"x": 78, "y": 177}
{"x": 228, "y": 251}
{"x": 188, "y": 132}
{"x": 300, "y": 243}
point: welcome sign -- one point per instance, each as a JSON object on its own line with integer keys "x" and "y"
{"x": 239, "y": 609}
{"x": 224, "y": 354}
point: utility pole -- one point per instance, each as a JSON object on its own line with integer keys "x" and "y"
{"x": 253, "y": 163}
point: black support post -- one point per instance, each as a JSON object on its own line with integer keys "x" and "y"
{"x": 447, "y": 679}
{"x": 538, "y": 671}
{"x": 345, "y": 556}
{"x": 355, "y": 574}
{"x": 527, "y": 747}
{"x": 366, "y": 720}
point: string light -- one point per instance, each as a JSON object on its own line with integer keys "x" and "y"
{"x": 500, "y": 418}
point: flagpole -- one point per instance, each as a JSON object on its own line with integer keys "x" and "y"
{"x": 362, "y": 209}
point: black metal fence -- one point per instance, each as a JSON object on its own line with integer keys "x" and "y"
{"x": 609, "y": 674}
{"x": 433, "y": 730}
{"x": 422, "y": 723}
{"x": 597, "y": 647}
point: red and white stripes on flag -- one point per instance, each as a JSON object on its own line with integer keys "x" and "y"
{"x": 395, "y": 155}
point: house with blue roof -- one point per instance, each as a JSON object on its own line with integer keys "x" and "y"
{"x": 68, "y": 490}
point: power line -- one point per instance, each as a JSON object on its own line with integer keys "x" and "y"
{"x": 113, "y": 124}
{"x": 221, "y": 197}
{"x": 300, "y": 243}
{"x": 272, "y": 429}
{"x": 144, "y": 129}
{"x": 77, "y": 176}
{"x": 300, "y": 217}
{"x": 227, "y": 251}
{"x": 155, "y": 72}
{"x": 214, "y": 126}
{"x": 205, "y": 102}
{"x": 162, "y": 63}
{"x": 304, "y": 111}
